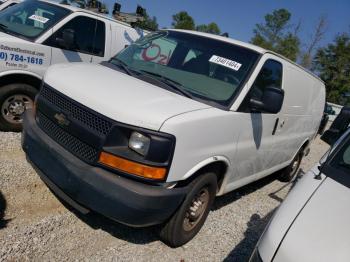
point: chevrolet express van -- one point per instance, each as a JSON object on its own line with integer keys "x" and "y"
{"x": 37, "y": 34}
{"x": 172, "y": 121}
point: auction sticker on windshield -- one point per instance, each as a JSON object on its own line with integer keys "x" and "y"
{"x": 39, "y": 18}
{"x": 225, "y": 62}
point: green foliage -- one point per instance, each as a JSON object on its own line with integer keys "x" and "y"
{"x": 183, "y": 20}
{"x": 333, "y": 65}
{"x": 212, "y": 28}
{"x": 148, "y": 24}
{"x": 273, "y": 34}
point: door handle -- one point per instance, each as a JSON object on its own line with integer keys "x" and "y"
{"x": 275, "y": 127}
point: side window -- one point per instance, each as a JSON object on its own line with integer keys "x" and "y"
{"x": 89, "y": 38}
{"x": 100, "y": 39}
{"x": 270, "y": 75}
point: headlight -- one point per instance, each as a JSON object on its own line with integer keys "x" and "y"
{"x": 139, "y": 143}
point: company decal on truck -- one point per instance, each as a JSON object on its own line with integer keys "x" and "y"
{"x": 20, "y": 58}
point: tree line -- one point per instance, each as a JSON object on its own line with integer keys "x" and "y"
{"x": 330, "y": 62}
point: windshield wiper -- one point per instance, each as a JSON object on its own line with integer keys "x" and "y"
{"x": 3, "y": 27}
{"x": 169, "y": 82}
{"x": 123, "y": 65}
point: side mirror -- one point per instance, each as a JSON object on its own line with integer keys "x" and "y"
{"x": 67, "y": 40}
{"x": 338, "y": 127}
{"x": 271, "y": 102}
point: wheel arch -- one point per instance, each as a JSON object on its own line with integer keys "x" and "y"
{"x": 216, "y": 164}
{"x": 304, "y": 145}
{"x": 11, "y": 77}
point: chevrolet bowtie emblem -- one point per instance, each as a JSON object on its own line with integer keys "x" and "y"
{"x": 61, "y": 119}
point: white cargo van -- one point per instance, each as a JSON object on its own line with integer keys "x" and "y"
{"x": 173, "y": 120}
{"x": 36, "y": 34}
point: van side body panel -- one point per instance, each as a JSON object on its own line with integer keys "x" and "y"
{"x": 301, "y": 112}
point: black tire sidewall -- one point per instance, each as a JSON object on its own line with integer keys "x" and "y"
{"x": 7, "y": 91}
{"x": 179, "y": 236}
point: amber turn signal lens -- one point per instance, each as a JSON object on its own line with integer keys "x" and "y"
{"x": 157, "y": 173}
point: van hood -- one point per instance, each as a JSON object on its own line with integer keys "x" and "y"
{"x": 119, "y": 96}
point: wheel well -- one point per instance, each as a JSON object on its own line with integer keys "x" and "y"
{"x": 305, "y": 145}
{"x": 219, "y": 168}
{"x": 20, "y": 78}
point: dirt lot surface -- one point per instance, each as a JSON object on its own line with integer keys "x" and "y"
{"x": 37, "y": 226}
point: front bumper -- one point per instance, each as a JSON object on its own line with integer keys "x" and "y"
{"x": 87, "y": 187}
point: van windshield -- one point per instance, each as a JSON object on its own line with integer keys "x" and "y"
{"x": 209, "y": 70}
{"x": 31, "y": 18}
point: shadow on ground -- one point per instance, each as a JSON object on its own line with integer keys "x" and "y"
{"x": 257, "y": 224}
{"x": 3, "y": 222}
{"x": 150, "y": 234}
{"x": 96, "y": 221}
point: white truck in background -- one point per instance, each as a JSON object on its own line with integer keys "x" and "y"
{"x": 37, "y": 34}
{"x": 4, "y": 4}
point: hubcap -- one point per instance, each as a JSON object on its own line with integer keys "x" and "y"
{"x": 14, "y": 106}
{"x": 196, "y": 210}
{"x": 295, "y": 165}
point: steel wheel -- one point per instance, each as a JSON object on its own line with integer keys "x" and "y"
{"x": 289, "y": 173}
{"x": 14, "y": 106}
{"x": 295, "y": 165}
{"x": 196, "y": 210}
{"x": 186, "y": 222}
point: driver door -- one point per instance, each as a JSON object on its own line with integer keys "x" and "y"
{"x": 258, "y": 130}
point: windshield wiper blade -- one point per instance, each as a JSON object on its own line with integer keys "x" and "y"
{"x": 3, "y": 27}
{"x": 169, "y": 82}
{"x": 124, "y": 66}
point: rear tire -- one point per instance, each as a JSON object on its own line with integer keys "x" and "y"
{"x": 290, "y": 172}
{"x": 14, "y": 100}
{"x": 191, "y": 215}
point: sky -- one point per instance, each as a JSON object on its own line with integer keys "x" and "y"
{"x": 238, "y": 18}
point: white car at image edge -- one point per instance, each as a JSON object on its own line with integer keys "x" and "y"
{"x": 312, "y": 224}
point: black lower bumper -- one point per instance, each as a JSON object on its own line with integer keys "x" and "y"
{"x": 86, "y": 187}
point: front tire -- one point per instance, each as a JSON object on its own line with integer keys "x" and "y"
{"x": 191, "y": 215}
{"x": 14, "y": 100}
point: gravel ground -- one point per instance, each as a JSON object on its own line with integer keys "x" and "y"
{"x": 37, "y": 226}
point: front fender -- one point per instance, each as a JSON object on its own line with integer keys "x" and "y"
{"x": 20, "y": 72}
{"x": 206, "y": 162}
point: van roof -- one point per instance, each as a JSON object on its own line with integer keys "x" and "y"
{"x": 246, "y": 45}
{"x": 77, "y": 9}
